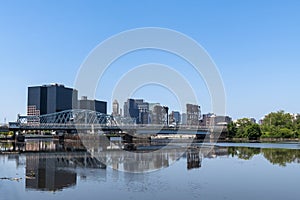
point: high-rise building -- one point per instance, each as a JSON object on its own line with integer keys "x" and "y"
{"x": 137, "y": 109}
{"x": 159, "y": 115}
{"x": 175, "y": 117}
{"x": 94, "y": 105}
{"x": 130, "y": 109}
{"x": 50, "y": 99}
{"x": 183, "y": 119}
{"x": 152, "y": 105}
{"x": 193, "y": 114}
{"x": 115, "y": 108}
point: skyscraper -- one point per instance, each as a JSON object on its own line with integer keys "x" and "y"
{"x": 193, "y": 114}
{"x": 175, "y": 117}
{"x": 137, "y": 109}
{"x": 159, "y": 115}
{"x": 115, "y": 108}
{"x": 52, "y": 98}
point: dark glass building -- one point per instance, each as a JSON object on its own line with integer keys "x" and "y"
{"x": 131, "y": 109}
{"x": 95, "y": 105}
{"x": 137, "y": 109}
{"x": 52, "y": 98}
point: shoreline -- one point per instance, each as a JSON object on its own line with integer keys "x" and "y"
{"x": 162, "y": 137}
{"x": 260, "y": 140}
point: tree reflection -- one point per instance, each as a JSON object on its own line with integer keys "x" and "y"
{"x": 281, "y": 156}
{"x": 245, "y": 153}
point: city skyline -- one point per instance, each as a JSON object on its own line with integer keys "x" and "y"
{"x": 55, "y": 98}
{"x": 254, "y": 45}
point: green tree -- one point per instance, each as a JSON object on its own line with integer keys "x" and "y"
{"x": 232, "y": 130}
{"x": 242, "y": 126}
{"x": 279, "y": 125}
{"x": 253, "y": 131}
{"x": 296, "y": 125}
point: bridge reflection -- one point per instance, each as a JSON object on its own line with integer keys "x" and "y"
{"x": 52, "y": 165}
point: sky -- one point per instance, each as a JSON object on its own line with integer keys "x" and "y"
{"x": 254, "y": 44}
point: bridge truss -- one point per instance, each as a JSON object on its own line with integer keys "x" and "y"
{"x": 69, "y": 119}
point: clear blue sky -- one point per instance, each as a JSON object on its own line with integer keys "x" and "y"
{"x": 255, "y": 44}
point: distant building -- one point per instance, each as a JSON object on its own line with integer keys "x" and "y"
{"x": 183, "y": 119}
{"x": 52, "y": 98}
{"x": 94, "y": 105}
{"x": 159, "y": 115}
{"x": 175, "y": 117}
{"x": 152, "y": 105}
{"x": 212, "y": 119}
{"x": 193, "y": 114}
{"x": 253, "y": 120}
{"x": 115, "y": 108}
{"x": 130, "y": 109}
{"x": 137, "y": 109}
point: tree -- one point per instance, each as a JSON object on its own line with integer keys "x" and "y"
{"x": 280, "y": 125}
{"x": 253, "y": 131}
{"x": 232, "y": 130}
{"x": 242, "y": 126}
{"x": 279, "y": 119}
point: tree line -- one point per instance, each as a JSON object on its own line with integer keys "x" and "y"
{"x": 274, "y": 125}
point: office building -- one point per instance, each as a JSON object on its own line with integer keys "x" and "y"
{"x": 159, "y": 115}
{"x": 52, "y": 98}
{"x": 130, "y": 109}
{"x": 183, "y": 119}
{"x": 94, "y": 105}
{"x": 193, "y": 114}
{"x": 115, "y": 108}
{"x": 137, "y": 109}
{"x": 212, "y": 119}
{"x": 174, "y": 117}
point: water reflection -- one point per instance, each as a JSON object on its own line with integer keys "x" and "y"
{"x": 279, "y": 156}
{"x": 45, "y": 174}
{"x": 282, "y": 156}
{"x": 52, "y": 165}
{"x": 245, "y": 153}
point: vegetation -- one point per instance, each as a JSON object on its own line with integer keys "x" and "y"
{"x": 6, "y": 134}
{"x": 274, "y": 125}
{"x": 244, "y": 128}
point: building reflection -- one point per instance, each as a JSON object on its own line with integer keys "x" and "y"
{"x": 193, "y": 158}
{"x": 55, "y": 171}
{"x": 44, "y": 174}
{"x": 53, "y": 166}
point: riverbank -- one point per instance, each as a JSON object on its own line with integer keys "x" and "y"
{"x": 260, "y": 140}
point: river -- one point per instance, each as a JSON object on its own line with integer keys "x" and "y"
{"x": 223, "y": 171}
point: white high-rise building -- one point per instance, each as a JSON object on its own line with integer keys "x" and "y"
{"x": 115, "y": 108}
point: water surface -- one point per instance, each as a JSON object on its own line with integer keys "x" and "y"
{"x": 229, "y": 171}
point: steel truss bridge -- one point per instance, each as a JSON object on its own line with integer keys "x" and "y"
{"x": 66, "y": 120}
{"x": 92, "y": 121}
